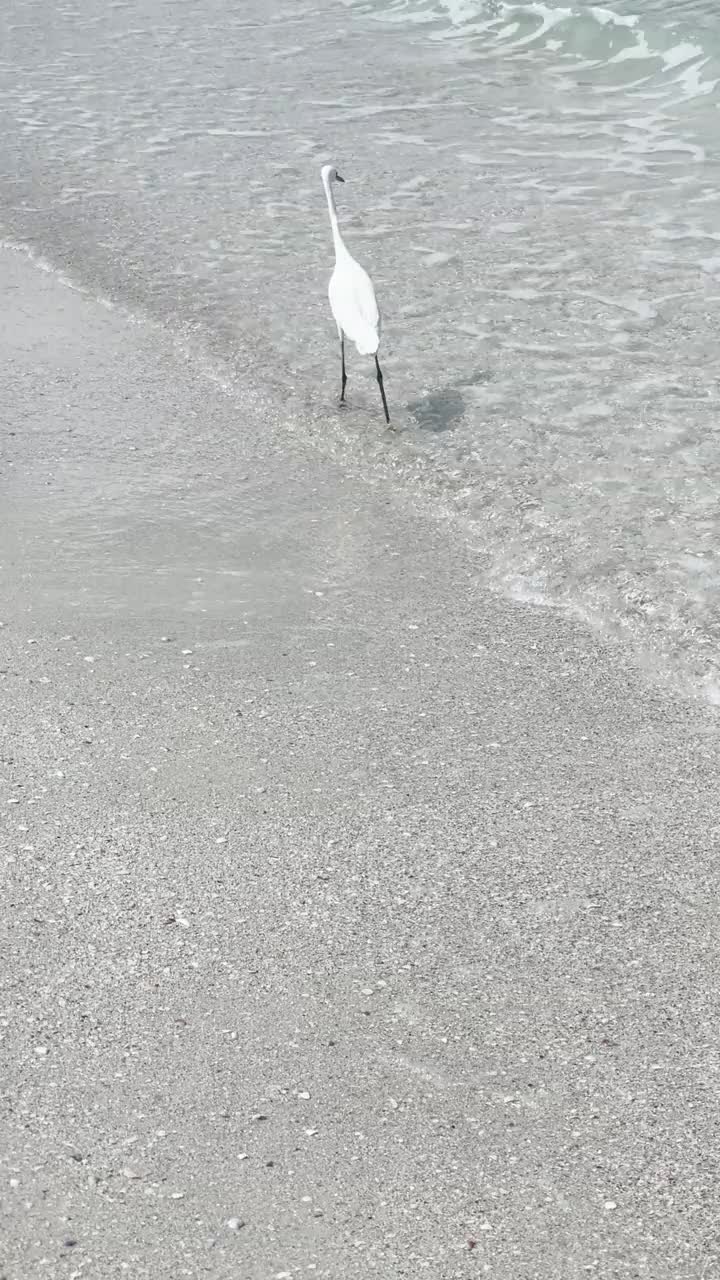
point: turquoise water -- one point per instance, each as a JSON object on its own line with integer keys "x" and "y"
{"x": 535, "y": 189}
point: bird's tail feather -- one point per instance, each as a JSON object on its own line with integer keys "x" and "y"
{"x": 368, "y": 344}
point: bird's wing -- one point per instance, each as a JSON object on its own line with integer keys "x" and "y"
{"x": 354, "y": 305}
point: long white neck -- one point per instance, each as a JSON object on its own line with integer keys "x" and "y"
{"x": 337, "y": 238}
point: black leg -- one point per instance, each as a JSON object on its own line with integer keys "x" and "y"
{"x": 344, "y": 375}
{"x": 382, "y": 389}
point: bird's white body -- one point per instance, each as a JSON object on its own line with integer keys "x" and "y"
{"x": 353, "y": 303}
{"x": 352, "y": 296}
{"x": 351, "y": 293}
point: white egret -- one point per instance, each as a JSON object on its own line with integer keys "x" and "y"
{"x": 352, "y": 296}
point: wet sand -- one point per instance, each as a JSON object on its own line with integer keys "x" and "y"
{"x": 354, "y": 921}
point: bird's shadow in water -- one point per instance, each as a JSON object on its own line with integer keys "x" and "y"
{"x": 443, "y": 409}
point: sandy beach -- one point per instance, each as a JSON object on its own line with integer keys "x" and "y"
{"x": 355, "y": 921}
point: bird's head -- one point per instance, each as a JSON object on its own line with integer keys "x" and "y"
{"x": 330, "y": 174}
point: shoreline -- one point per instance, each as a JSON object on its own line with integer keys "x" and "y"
{"x": 364, "y": 451}
{"x": 304, "y": 824}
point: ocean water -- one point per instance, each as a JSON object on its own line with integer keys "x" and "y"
{"x": 535, "y": 189}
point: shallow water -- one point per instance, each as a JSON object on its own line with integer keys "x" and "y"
{"x": 535, "y": 189}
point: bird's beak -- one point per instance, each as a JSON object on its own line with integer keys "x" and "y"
{"x": 338, "y": 176}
